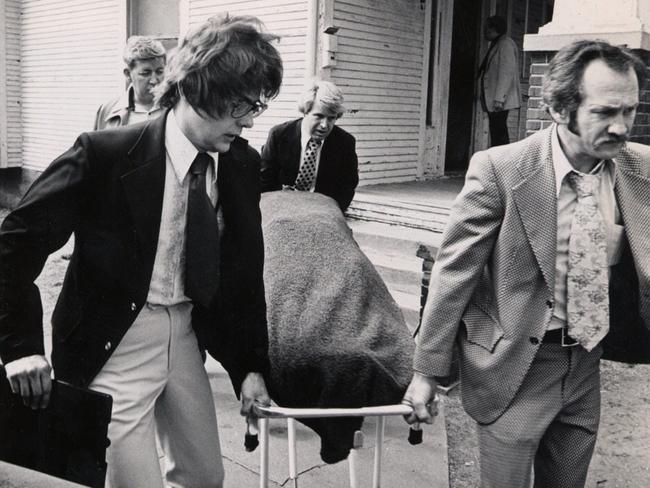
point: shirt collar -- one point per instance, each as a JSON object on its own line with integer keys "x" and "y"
{"x": 562, "y": 165}
{"x": 122, "y": 105}
{"x": 127, "y": 102}
{"x": 180, "y": 149}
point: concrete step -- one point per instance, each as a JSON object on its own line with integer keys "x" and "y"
{"x": 392, "y": 239}
{"x": 409, "y": 306}
{"x": 392, "y": 249}
{"x": 401, "y": 281}
{"x": 430, "y": 216}
{"x": 396, "y": 269}
{"x": 401, "y": 274}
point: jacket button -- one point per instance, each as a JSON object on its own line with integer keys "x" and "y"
{"x": 534, "y": 341}
{"x": 133, "y": 306}
{"x": 549, "y": 303}
{"x": 108, "y": 346}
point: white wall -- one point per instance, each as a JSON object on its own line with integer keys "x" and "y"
{"x": 379, "y": 68}
{"x": 70, "y": 64}
{"x": 10, "y": 124}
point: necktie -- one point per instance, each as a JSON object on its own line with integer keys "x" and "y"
{"x": 587, "y": 276}
{"x": 307, "y": 174}
{"x": 201, "y": 238}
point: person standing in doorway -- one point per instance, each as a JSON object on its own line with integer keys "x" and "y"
{"x": 498, "y": 75}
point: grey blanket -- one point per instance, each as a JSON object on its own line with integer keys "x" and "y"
{"x": 336, "y": 336}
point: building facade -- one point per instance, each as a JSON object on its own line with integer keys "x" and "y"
{"x": 408, "y": 70}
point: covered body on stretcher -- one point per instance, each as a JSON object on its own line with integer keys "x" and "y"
{"x": 337, "y": 339}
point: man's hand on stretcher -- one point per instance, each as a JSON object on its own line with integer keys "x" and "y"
{"x": 253, "y": 390}
{"x": 421, "y": 396}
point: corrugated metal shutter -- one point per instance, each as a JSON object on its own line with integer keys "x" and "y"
{"x": 71, "y": 63}
{"x": 288, "y": 19}
{"x": 379, "y": 68}
{"x": 10, "y": 126}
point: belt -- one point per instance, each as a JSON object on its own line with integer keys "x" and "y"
{"x": 559, "y": 336}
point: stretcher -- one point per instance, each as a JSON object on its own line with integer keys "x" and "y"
{"x": 292, "y": 414}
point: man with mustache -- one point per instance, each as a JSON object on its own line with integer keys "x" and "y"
{"x": 312, "y": 153}
{"x": 542, "y": 270}
{"x": 167, "y": 262}
{"x": 145, "y": 60}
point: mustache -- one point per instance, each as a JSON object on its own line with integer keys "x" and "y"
{"x": 617, "y": 138}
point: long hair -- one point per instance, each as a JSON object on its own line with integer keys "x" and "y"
{"x": 220, "y": 60}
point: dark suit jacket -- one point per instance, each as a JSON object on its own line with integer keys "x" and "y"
{"x": 108, "y": 190}
{"x": 338, "y": 169}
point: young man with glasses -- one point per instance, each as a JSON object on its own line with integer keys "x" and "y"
{"x": 312, "y": 153}
{"x": 167, "y": 262}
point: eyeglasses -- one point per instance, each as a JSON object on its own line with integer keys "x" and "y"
{"x": 244, "y": 106}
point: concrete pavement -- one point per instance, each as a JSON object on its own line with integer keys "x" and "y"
{"x": 403, "y": 465}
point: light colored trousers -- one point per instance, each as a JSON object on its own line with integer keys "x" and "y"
{"x": 159, "y": 384}
{"x": 549, "y": 431}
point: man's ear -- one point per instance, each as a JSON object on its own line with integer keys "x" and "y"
{"x": 127, "y": 74}
{"x": 561, "y": 117}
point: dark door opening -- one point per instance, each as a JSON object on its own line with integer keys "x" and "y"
{"x": 462, "y": 83}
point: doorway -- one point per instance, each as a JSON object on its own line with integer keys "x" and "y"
{"x": 156, "y": 18}
{"x": 462, "y": 84}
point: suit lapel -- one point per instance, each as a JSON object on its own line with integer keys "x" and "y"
{"x": 536, "y": 203}
{"x": 293, "y": 147}
{"x": 231, "y": 182}
{"x": 144, "y": 187}
{"x": 225, "y": 183}
{"x": 327, "y": 154}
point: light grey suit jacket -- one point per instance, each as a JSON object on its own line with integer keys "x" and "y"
{"x": 492, "y": 285}
{"x": 501, "y": 78}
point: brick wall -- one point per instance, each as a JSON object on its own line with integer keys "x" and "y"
{"x": 537, "y": 117}
{"x": 641, "y": 130}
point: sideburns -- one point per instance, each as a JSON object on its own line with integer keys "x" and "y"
{"x": 573, "y": 123}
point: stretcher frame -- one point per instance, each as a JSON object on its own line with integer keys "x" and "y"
{"x": 291, "y": 414}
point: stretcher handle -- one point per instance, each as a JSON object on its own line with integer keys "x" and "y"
{"x": 305, "y": 413}
{"x": 262, "y": 411}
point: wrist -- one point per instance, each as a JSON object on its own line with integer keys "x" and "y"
{"x": 425, "y": 378}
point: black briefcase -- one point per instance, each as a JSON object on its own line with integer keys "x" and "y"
{"x": 68, "y": 439}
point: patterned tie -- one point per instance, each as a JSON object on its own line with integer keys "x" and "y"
{"x": 587, "y": 277}
{"x": 202, "y": 237}
{"x": 307, "y": 174}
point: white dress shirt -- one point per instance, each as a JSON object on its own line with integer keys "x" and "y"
{"x": 567, "y": 199}
{"x": 167, "y": 286}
